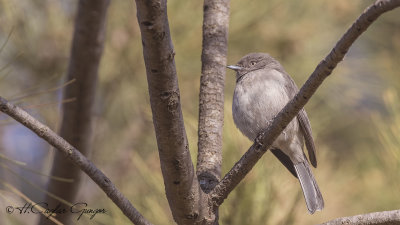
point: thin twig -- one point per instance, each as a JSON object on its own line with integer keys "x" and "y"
{"x": 64, "y": 101}
{"x": 36, "y": 93}
{"x": 375, "y": 218}
{"x": 76, "y": 157}
{"x": 23, "y": 166}
{"x": 323, "y": 70}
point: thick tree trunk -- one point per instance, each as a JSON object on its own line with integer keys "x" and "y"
{"x": 77, "y": 122}
{"x": 212, "y": 83}
{"x": 181, "y": 185}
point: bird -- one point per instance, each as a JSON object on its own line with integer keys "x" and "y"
{"x": 262, "y": 89}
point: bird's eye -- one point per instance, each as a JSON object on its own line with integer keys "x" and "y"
{"x": 253, "y": 63}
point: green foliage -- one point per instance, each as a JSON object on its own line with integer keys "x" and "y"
{"x": 355, "y": 114}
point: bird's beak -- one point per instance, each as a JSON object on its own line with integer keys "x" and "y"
{"x": 233, "y": 67}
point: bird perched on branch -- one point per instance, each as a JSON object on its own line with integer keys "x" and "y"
{"x": 262, "y": 89}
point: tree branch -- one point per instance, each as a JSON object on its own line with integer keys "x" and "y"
{"x": 76, "y": 157}
{"x": 323, "y": 70}
{"x": 212, "y": 83}
{"x": 181, "y": 185}
{"x": 375, "y": 218}
{"x": 77, "y": 122}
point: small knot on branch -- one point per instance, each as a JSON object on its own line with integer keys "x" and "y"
{"x": 147, "y": 24}
{"x": 172, "y": 99}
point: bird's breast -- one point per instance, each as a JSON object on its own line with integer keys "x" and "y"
{"x": 256, "y": 100}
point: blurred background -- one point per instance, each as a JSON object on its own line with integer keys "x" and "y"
{"x": 355, "y": 114}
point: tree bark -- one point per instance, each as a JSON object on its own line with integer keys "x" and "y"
{"x": 77, "y": 122}
{"x": 212, "y": 83}
{"x": 188, "y": 202}
{"x": 181, "y": 185}
{"x": 323, "y": 70}
{"x": 375, "y": 218}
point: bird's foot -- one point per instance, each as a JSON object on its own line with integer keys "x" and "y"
{"x": 259, "y": 138}
{"x": 284, "y": 134}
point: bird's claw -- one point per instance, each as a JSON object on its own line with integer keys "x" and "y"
{"x": 259, "y": 138}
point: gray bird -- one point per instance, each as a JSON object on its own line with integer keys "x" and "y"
{"x": 262, "y": 89}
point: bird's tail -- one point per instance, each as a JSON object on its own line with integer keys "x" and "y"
{"x": 310, "y": 188}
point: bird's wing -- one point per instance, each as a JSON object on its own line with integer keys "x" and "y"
{"x": 292, "y": 89}
{"x": 307, "y": 133}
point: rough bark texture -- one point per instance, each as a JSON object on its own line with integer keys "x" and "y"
{"x": 188, "y": 203}
{"x": 76, "y": 157}
{"x": 375, "y": 218}
{"x": 181, "y": 185}
{"x": 212, "y": 83}
{"x": 323, "y": 70}
{"x": 77, "y": 126}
